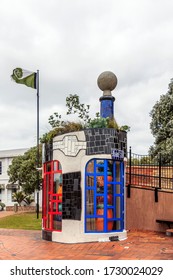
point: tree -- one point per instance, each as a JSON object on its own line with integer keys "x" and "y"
{"x": 19, "y": 196}
{"x": 162, "y": 127}
{"x": 23, "y": 171}
{"x": 73, "y": 107}
{"x": 28, "y": 199}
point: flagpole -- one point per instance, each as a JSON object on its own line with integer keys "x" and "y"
{"x": 38, "y": 183}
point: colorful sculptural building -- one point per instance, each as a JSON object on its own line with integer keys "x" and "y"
{"x": 83, "y": 180}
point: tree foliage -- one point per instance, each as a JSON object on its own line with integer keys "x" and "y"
{"x": 19, "y": 196}
{"x": 162, "y": 126}
{"x": 74, "y": 106}
{"x": 23, "y": 171}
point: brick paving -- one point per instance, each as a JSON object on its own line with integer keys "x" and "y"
{"x": 140, "y": 245}
{"x": 28, "y": 245}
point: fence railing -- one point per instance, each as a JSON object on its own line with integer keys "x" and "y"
{"x": 148, "y": 172}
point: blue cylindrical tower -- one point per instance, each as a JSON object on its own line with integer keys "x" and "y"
{"x": 107, "y": 106}
{"x": 107, "y": 82}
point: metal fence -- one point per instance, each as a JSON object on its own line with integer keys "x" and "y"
{"x": 145, "y": 171}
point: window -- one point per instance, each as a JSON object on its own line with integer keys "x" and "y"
{"x": 13, "y": 191}
{"x": 104, "y": 196}
{"x": 52, "y": 196}
{"x": 0, "y": 167}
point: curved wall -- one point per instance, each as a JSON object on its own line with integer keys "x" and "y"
{"x": 73, "y": 150}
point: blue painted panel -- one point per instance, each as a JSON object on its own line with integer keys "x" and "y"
{"x": 107, "y": 108}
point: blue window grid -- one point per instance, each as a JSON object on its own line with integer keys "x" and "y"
{"x": 114, "y": 183}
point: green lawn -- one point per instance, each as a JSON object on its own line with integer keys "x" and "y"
{"x": 22, "y": 221}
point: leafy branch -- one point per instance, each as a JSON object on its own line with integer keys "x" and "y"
{"x": 75, "y": 107}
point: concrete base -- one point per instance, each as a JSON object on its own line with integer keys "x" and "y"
{"x": 85, "y": 237}
{"x": 169, "y": 232}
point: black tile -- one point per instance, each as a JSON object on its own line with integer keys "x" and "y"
{"x": 72, "y": 196}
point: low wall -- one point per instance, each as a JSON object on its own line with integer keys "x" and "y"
{"x": 21, "y": 208}
{"x": 142, "y": 210}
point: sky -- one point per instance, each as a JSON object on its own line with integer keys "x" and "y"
{"x": 71, "y": 42}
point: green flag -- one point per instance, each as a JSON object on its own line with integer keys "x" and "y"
{"x": 25, "y": 77}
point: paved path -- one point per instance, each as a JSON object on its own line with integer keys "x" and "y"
{"x": 28, "y": 245}
{"x": 7, "y": 213}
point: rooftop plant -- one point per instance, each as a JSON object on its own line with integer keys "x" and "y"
{"x": 74, "y": 106}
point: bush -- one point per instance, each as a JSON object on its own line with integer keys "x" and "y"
{"x": 2, "y": 206}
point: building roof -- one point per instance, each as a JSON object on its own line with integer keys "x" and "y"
{"x": 12, "y": 153}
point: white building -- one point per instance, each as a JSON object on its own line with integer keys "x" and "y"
{"x": 6, "y": 188}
